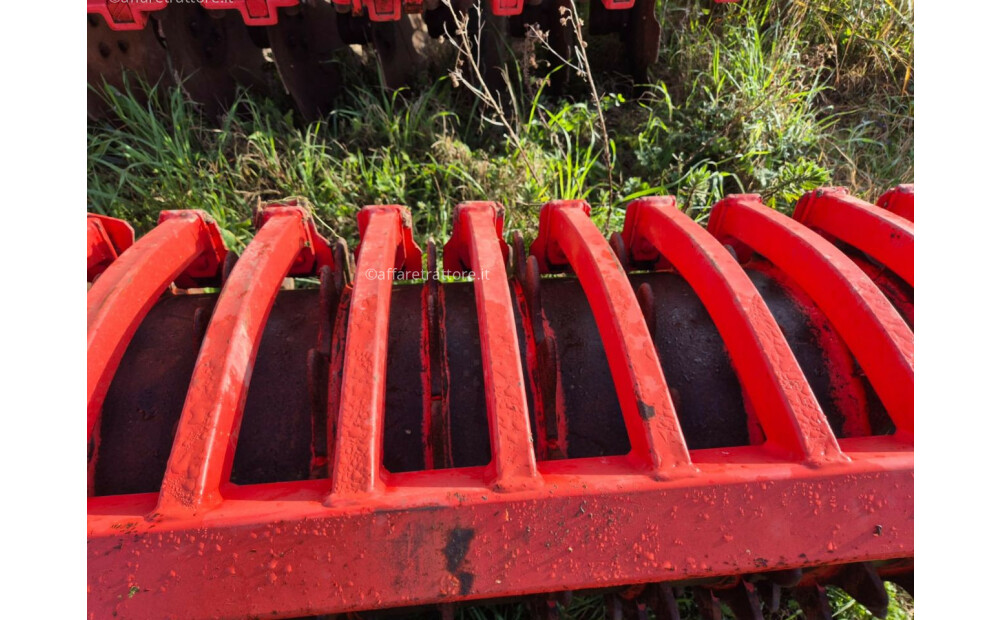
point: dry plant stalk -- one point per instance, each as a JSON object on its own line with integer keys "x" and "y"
{"x": 569, "y": 15}
{"x": 466, "y": 56}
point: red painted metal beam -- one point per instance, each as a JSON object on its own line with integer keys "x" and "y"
{"x": 107, "y": 238}
{"x": 201, "y": 458}
{"x": 898, "y": 200}
{"x": 477, "y": 245}
{"x": 386, "y": 247}
{"x": 439, "y": 536}
{"x": 883, "y": 235}
{"x": 567, "y": 235}
{"x": 776, "y": 389}
{"x": 873, "y": 330}
{"x": 123, "y": 295}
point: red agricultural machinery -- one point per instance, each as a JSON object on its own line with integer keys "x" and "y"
{"x": 729, "y": 409}
{"x": 213, "y": 47}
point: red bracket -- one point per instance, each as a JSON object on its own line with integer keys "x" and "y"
{"x": 457, "y": 251}
{"x": 254, "y": 12}
{"x": 509, "y": 7}
{"x": 107, "y": 238}
{"x": 617, "y": 5}
{"x": 316, "y": 251}
{"x": 408, "y": 256}
{"x": 380, "y": 10}
{"x": 125, "y": 14}
{"x": 384, "y": 10}
{"x": 899, "y": 201}
{"x": 205, "y": 269}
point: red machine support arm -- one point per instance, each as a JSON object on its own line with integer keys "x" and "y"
{"x": 898, "y": 200}
{"x": 871, "y": 327}
{"x": 477, "y": 243}
{"x": 566, "y": 234}
{"x": 883, "y": 235}
{"x": 202, "y": 454}
{"x": 123, "y": 295}
{"x": 107, "y": 238}
{"x": 775, "y": 386}
{"x": 386, "y": 246}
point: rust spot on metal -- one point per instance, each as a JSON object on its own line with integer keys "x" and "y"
{"x": 646, "y": 411}
{"x": 457, "y": 547}
{"x": 455, "y": 551}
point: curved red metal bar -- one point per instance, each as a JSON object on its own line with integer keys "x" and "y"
{"x": 883, "y": 235}
{"x": 567, "y": 235}
{"x": 205, "y": 442}
{"x": 775, "y": 386}
{"x": 873, "y": 330}
{"x": 357, "y": 460}
{"x": 120, "y": 299}
{"x": 898, "y": 200}
{"x": 477, "y": 244}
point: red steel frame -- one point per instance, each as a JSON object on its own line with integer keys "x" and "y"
{"x": 367, "y": 538}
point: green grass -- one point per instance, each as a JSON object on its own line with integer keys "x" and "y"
{"x": 775, "y": 98}
{"x": 770, "y": 97}
{"x": 592, "y": 607}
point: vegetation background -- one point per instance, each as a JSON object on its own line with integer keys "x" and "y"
{"x": 775, "y": 97}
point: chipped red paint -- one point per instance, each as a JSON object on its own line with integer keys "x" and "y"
{"x": 883, "y": 235}
{"x": 365, "y": 538}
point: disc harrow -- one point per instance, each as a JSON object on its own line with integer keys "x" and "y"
{"x": 215, "y": 47}
{"x": 726, "y": 409}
